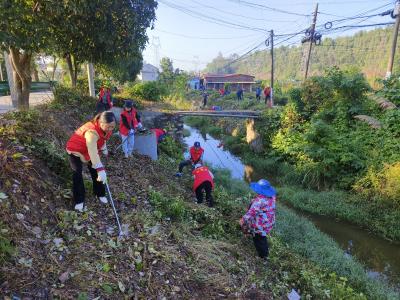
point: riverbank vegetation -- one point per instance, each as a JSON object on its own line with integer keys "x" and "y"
{"x": 175, "y": 248}
{"x": 334, "y": 148}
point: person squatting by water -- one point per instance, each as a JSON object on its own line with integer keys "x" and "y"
{"x": 260, "y": 216}
{"x": 203, "y": 181}
{"x": 83, "y": 147}
{"x": 196, "y": 156}
{"x": 130, "y": 121}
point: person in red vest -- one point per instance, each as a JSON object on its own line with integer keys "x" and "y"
{"x": 130, "y": 120}
{"x": 196, "y": 156}
{"x": 203, "y": 181}
{"x": 105, "y": 102}
{"x": 160, "y": 134}
{"x": 83, "y": 147}
{"x": 267, "y": 94}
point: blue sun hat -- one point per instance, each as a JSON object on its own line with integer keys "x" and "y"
{"x": 197, "y": 144}
{"x": 263, "y": 187}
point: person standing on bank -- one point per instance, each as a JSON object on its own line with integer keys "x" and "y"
{"x": 196, "y": 156}
{"x": 260, "y": 217}
{"x": 130, "y": 120}
{"x": 105, "y": 101}
{"x": 205, "y": 97}
{"x": 83, "y": 147}
{"x": 203, "y": 182}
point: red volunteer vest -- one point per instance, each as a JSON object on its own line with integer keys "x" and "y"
{"x": 108, "y": 97}
{"x": 131, "y": 118}
{"x": 77, "y": 142}
{"x": 201, "y": 175}
{"x": 195, "y": 154}
{"x": 158, "y": 132}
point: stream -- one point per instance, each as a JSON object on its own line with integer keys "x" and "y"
{"x": 381, "y": 257}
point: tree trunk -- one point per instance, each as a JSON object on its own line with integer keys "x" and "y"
{"x": 55, "y": 63}
{"x": 21, "y": 63}
{"x": 73, "y": 69}
{"x": 10, "y": 79}
{"x": 35, "y": 74}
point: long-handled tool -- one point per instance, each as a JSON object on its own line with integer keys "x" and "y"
{"x": 115, "y": 211}
{"x": 130, "y": 134}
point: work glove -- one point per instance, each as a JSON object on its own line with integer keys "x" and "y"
{"x": 139, "y": 125}
{"x": 105, "y": 151}
{"x": 102, "y": 176}
{"x": 131, "y": 131}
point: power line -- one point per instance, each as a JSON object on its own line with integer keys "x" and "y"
{"x": 205, "y": 37}
{"x": 234, "y": 14}
{"x": 210, "y": 18}
{"x": 264, "y": 7}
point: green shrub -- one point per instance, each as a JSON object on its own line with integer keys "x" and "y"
{"x": 7, "y": 249}
{"x": 150, "y": 91}
{"x": 165, "y": 207}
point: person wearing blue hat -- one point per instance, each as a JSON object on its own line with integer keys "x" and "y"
{"x": 196, "y": 157}
{"x": 260, "y": 217}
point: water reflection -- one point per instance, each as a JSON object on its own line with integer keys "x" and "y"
{"x": 381, "y": 257}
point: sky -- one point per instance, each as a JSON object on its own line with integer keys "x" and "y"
{"x": 193, "y": 32}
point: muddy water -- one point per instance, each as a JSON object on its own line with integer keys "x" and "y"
{"x": 382, "y": 258}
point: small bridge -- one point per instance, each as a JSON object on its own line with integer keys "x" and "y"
{"x": 244, "y": 114}
{"x": 252, "y": 137}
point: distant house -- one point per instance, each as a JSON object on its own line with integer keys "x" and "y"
{"x": 148, "y": 73}
{"x": 194, "y": 83}
{"x": 217, "y": 81}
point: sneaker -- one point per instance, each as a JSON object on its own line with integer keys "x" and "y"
{"x": 80, "y": 207}
{"x": 103, "y": 200}
{"x": 179, "y": 174}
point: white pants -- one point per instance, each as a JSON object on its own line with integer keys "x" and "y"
{"x": 128, "y": 141}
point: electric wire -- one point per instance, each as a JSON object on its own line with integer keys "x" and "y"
{"x": 210, "y": 18}
{"x": 264, "y": 7}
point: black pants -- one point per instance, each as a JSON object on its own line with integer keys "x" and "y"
{"x": 261, "y": 244}
{"x": 207, "y": 187}
{"x": 100, "y": 107}
{"x": 78, "y": 187}
{"x": 258, "y": 97}
{"x": 267, "y": 98}
{"x": 185, "y": 163}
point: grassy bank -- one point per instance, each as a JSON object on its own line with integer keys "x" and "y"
{"x": 175, "y": 248}
{"x": 379, "y": 217}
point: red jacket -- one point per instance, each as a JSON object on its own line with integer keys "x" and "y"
{"x": 131, "y": 119}
{"x": 158, "y": 132}
{"x": 267, "y": 91}
{"x": 77, "y": 142}
{"x": 201, "y": 175}
{"x": 195, "y": 154}
{"x": 108, "y": 96}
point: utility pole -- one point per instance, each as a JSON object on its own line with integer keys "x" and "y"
{"x": 396, "y": 12}
{"x": 311, "y": 40}
{"x": 272, "y": 67}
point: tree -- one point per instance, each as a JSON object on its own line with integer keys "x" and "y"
{"x": 167, "y": 70}
{"x": 23, "y": 32}
{"x": 102, "y": 32}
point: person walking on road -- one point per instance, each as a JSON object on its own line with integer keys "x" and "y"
{"x": 260, "y": 217}
{"x": 196, "y": 156}
{"x": 267, "y": 94}
{"x": 203, "y": 181}
{"x": 258, "y": 93}
{"x": 83, "y": 147}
